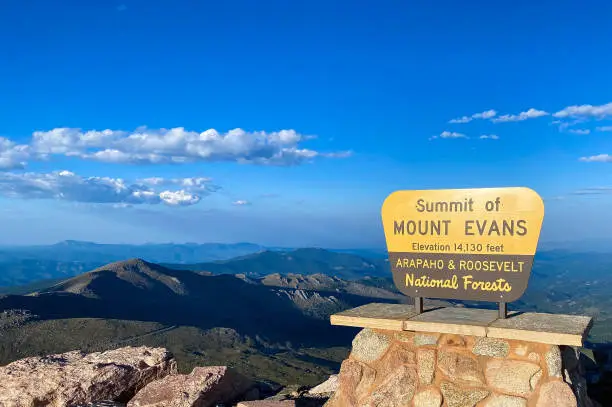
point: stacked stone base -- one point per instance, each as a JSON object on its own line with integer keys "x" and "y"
{"x": 405, "y": 369}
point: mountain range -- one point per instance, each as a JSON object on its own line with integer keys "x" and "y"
{"x": 24, "y": 265}
{"x": 302, "y": 261}
{"x": 265, "y": 312}
{"x": 143, "y": 291}
{"x": 21, "y": 265}
{"x": 277, "y": 320}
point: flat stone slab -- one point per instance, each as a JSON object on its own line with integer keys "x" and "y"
{"x": 461, "y": 321}
{"x": 375, "y": 315}
{"x": 552, "y": 329}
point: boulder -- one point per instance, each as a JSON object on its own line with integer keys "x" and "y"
{"x": 77, "y": 378}
{"x": 338, "y": 400}
{"x": 556, "y": 394}
{"x": 460, "y": 368}
{"x": 492, "y": 347}
{"x": 513, "y": 377}
{"x": 356, "y": 379}
{"x": 395, "y": 357}
{"x": 369, "y": 345}
{"x": 456, "y": 396}
{"x": 325, "y": 389}
{"x": 203, "y": 387}
{"x": 397, "y": 390}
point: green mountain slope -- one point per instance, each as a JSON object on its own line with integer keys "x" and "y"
{"x": 274, "y": 328}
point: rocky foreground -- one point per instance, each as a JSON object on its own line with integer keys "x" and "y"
{"x": 139, "y": 377}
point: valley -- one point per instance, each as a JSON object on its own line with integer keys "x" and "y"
{"x": 273, "y": 327}
{"x": 265, "y": 313}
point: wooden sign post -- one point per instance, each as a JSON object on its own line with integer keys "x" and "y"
{"x": 465, "y": 244}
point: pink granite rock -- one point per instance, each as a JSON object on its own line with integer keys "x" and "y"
{"x": 75, "y": 378}
{"x": 556, "y": 394}
{"x": 460, "y": 368}
{"x": 203, "y": 387}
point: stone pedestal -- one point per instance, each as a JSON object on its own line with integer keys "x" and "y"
{"x": 458, "y": 357}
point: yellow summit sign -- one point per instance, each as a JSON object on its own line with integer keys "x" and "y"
{"x": 470, "y": 244}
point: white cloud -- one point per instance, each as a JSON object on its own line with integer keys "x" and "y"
{"x": 200, "y": 184}
{"x": 529, "y": 114}
{"x": 489, "y": 136}
{"x": 580, "y": 131}
{"x": 604, "y": 128}
{"x": 241, "y": 203}
{"x": 68, "y": 186}
{"x": 483, "y": 115}
{"x": 562, "y": 125}
{"x": 464, "y": 119}
{"x": 585, "y": 111}
{"x": 176, "y": 198}
{"x": 449, "y": 134}
{"x": 177, "y": 145}
{"x": 601, "y": 158}
{"x": 13, "y": 155}
{"x": 453, "y": 134}
{"x": 152, "y": 181}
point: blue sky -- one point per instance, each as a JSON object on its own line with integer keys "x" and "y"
{"x": 288, "y": 123}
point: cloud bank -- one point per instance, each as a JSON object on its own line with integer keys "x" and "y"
{"x": 68, "y": 186}
{"x": 177, "y": 145}
{"x": 142, "y": 146}
{"x": 164, "y": 146}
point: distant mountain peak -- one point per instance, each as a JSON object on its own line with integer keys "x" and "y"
{"x": 135, "y": 272}
{"x": 134, "y": 264}
{"x": 74, "y": 243}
